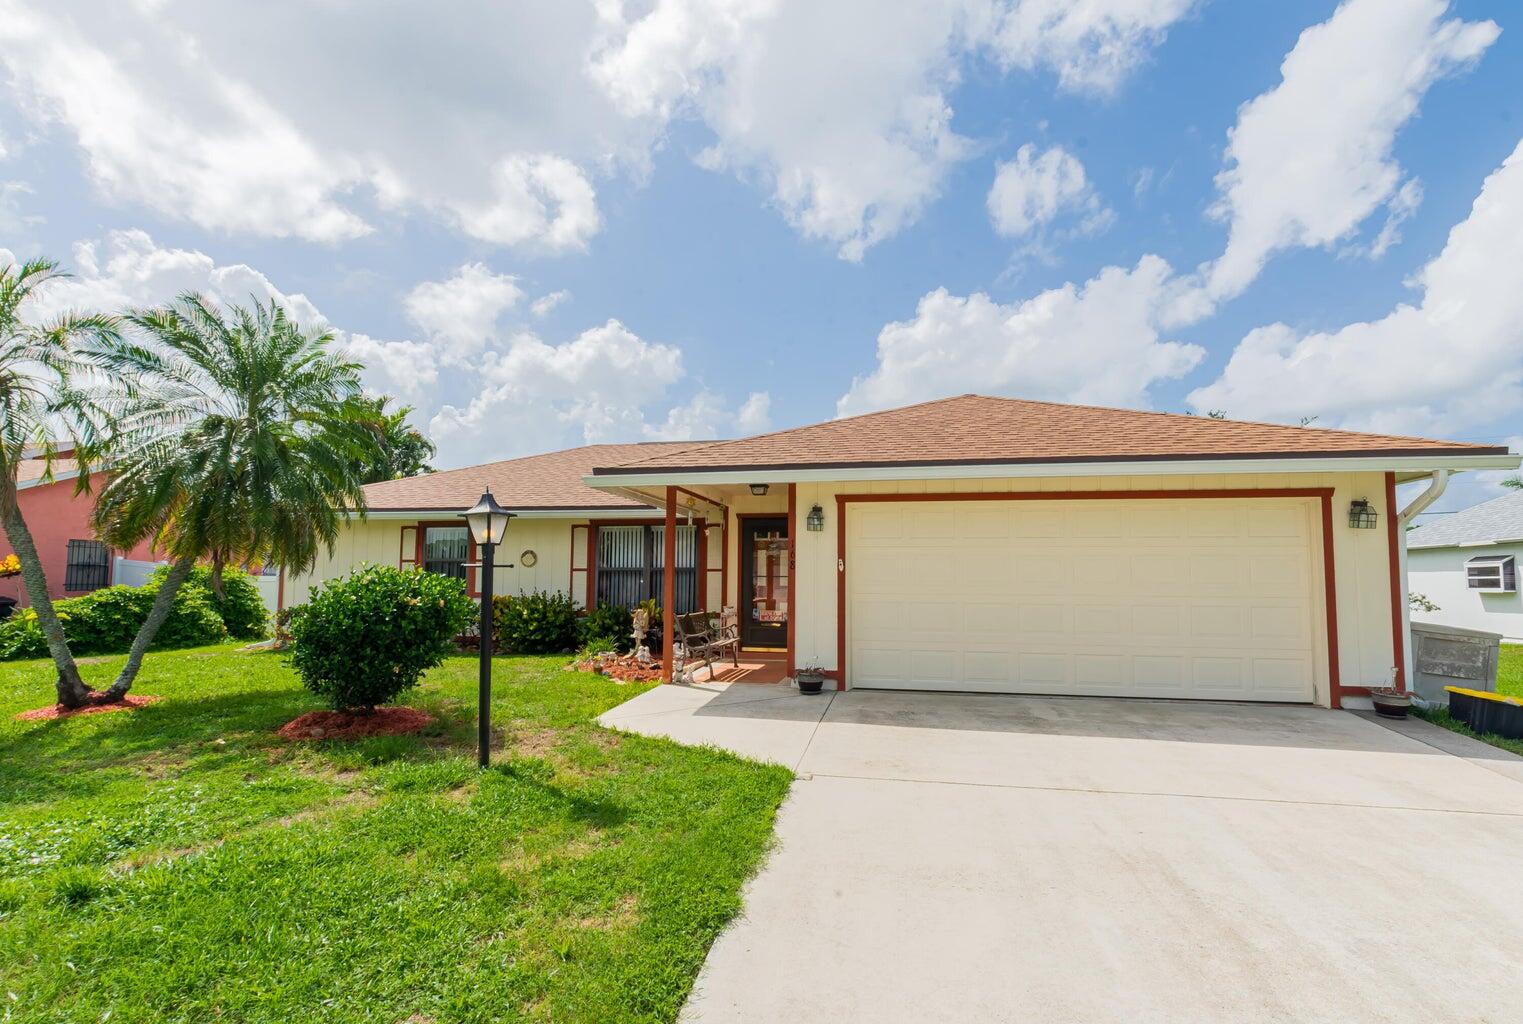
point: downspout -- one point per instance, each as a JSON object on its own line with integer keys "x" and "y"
{"x": 1419, "y": 504}
{"x": 1435, "y": 490}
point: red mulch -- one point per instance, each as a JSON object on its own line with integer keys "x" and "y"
{"x": 343, "y": 725}
{"x": 95, "y": 704}
{"x": 624, "y": 668}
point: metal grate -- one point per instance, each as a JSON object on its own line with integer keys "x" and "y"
{"x": 89, "y": 566}
{"x": 629, "y": 566}
{"x": 446, "y": 549}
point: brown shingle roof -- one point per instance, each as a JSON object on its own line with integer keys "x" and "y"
{"x": 975, "y": 429}
{"x": 550, "y": 481}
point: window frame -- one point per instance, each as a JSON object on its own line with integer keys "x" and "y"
{"x": 421, "y": 532}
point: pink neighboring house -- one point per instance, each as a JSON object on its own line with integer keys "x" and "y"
{"x": 75, "y": 561}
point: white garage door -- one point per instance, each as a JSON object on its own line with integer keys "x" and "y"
{"x": 1213, "y": 598}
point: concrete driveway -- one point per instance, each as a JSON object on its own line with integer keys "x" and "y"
{"x": 972, "y": 858}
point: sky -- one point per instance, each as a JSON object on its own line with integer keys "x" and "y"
{"x": 549, "y": 222}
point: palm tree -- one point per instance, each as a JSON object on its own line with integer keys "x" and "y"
{"x": 405, "y": 451}
{"x": 39, "y": 405}
{"x": 239, "y": 440}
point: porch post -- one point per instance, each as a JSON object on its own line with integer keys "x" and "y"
{"x": 668, "y": 584}
{"x": 793, "y": 576}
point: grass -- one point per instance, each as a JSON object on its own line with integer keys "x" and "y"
{"x": 179, "y": 863}
{"x": 1509, "y": 681}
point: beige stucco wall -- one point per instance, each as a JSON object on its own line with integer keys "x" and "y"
{"x": 380, "y": 541}
{"x": 1361, "y": 556}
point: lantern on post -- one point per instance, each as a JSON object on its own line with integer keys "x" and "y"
{"x": 488, "y": 521}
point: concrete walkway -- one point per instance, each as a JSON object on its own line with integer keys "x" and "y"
{"x": 973, "y": 858}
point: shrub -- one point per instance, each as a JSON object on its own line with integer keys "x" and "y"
{"x": 612, "y": 622}
{"x": 361, "y": 640}
{"x": 240, "y": 606}
{"x": 106, "y": 621}
{"x": 537, "y": 623}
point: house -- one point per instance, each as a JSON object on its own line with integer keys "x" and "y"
{"x": 1467, "y": 564}
{"x": 565, "y": 536}
{"x": 1000, "y": 545}
{"x": 58, "y": 516}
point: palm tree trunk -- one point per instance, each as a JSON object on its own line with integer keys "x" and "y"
{"x": 163, "y": 601}
{"x": 72, "y": 690}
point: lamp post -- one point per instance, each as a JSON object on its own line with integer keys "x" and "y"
{"x": 488, "y": 522}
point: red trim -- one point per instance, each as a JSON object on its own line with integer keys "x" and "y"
{"x": 793, "y": 574}
{"x": 668, "y": 584}
{"x": 586, "y": 567}
{"x": 1398, "y": 619}
{"x": 1325, "y": 494}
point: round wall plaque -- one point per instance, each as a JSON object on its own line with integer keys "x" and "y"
{"x": 527, "y": 559}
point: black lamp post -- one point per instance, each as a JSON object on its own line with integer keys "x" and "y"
{"x": 488, "y": 522}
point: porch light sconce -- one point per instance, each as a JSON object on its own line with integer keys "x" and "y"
{"x": 759, "y": 489}
{"x": 1360, "y": 515}
{"x": 815, "y": 520}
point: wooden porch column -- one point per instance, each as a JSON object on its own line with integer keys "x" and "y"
{"x": 668, "y": 584}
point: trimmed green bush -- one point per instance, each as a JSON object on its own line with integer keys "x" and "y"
{"x": 240, "y": 606}
{"x": 362, "y": 640}
{"x": 537, "y": 623}
{"x": 611, "y": 622}
{"x": 105, "y": 621}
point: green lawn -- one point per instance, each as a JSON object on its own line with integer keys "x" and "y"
{"x": 1509, "y": 681}
{"x": 180, "y": 863}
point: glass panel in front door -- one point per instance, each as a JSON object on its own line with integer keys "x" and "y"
{"x": 769, "y": 589}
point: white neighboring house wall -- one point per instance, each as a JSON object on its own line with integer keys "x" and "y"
{"x": 134, "y": 572}
{"x": 1439, "y": 575}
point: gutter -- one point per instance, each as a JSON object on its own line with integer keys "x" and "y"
{"x": 614, "y": 477}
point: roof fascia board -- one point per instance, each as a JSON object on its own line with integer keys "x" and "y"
{"x": 590, "y": 512}
{"x": 616, "y": 479}
{"x": 56, "y": 478}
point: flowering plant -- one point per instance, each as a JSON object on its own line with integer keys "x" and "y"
{"x": 10, "y": 566}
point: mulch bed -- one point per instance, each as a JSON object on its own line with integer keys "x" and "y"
{"x": 95, "y": 704}
{"x": 344, "y": 725}
{"x": 624, "y": 668}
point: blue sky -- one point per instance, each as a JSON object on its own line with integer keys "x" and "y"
{"x": 545, "y": 223}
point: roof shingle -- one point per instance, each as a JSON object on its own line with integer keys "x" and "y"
{"x": 975, "y": 429}
{"x": 1487, "y": 523}
{"x": 549, "y": 481}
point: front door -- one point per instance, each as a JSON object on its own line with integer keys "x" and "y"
{"x": 765, "y": 582}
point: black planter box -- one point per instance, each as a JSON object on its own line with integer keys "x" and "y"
{"x": 1487, "y": 712}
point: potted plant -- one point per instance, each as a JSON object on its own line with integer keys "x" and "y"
{"x": 654, "y": 634}
{"x": 1390, "y": 702}
{"x": 10, "y": 566}
{"x": 810, "y": 678}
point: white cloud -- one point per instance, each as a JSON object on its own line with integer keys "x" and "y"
{"x": 1097, "y": 343}
{"x": 291, "y": 119}
{"x": 842, "y": 110}
{"x": 698, "y": 420}
{"x": 1092, "y": 46}
{"x": 460, "y": 314}
{"x": 13, "y": 219}
{"x": 542, "y": 306}
{"x": 1398, "y": 211}
{"x": 1035, "y": 188}
{"x": 1311, "y": 159}
{"x": 1452, "y": 361}
{"x": 755, "y": 415}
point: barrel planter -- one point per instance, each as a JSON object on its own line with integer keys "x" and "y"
{"x": 1487, "y": 712}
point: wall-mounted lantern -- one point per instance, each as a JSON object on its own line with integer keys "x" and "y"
{"x": 814, "y": 522}
{"x": 759, "y": 490}
{"x": 1360, "y": 515}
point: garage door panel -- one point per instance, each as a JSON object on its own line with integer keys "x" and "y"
{"x": 1210, "y": 598}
